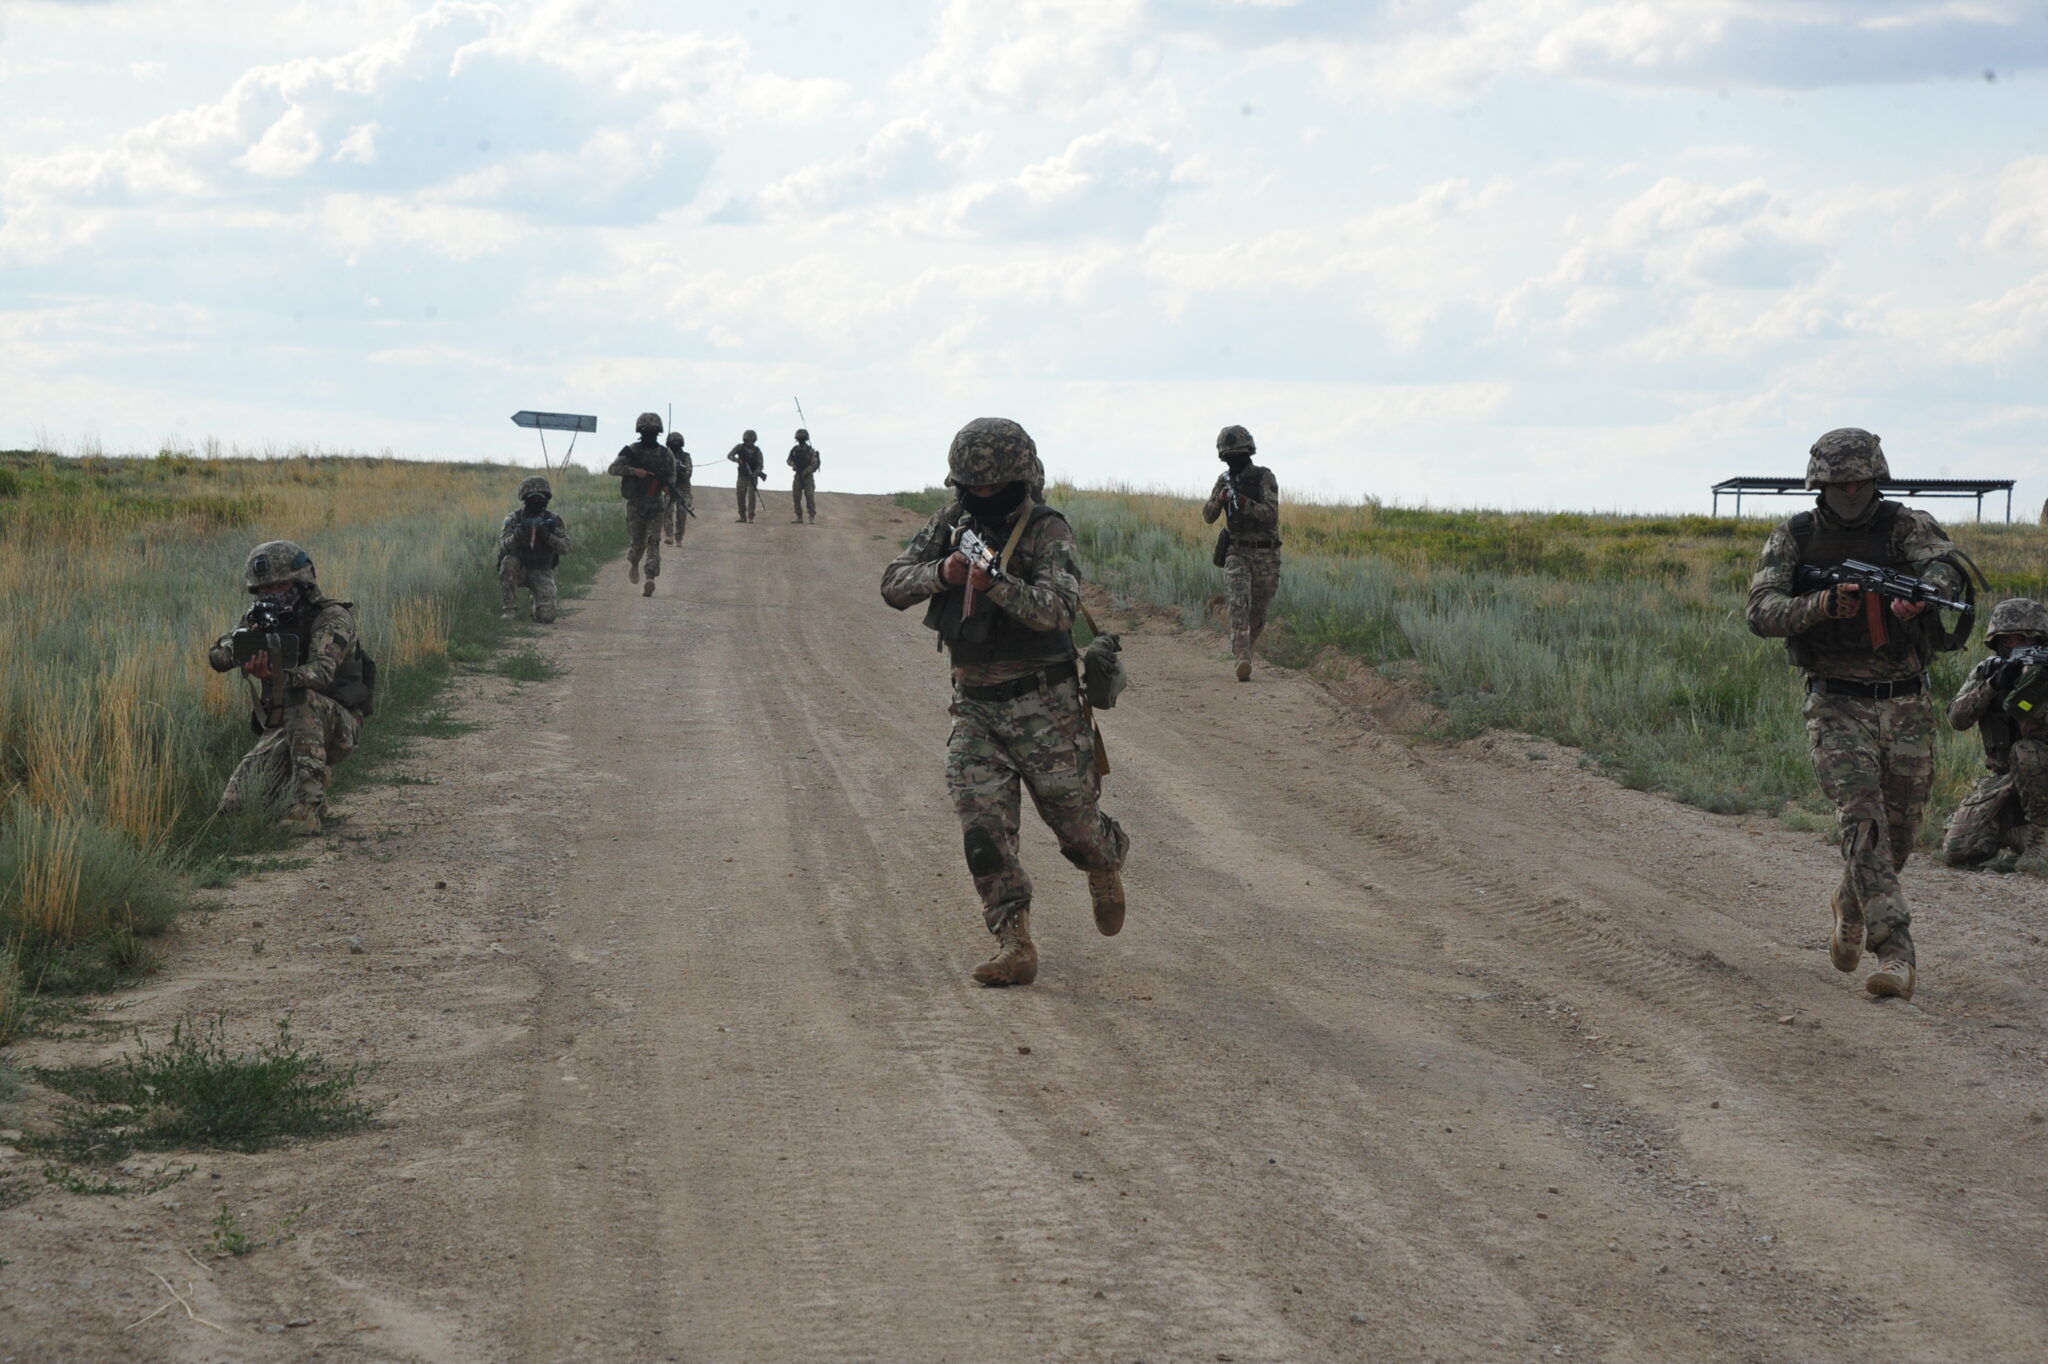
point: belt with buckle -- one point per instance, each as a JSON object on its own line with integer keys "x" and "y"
{"x": 1021, "y": 686}
{"x": 1869, "y": 691}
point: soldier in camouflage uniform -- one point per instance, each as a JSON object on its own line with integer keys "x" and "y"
{"x": 531, "y": 543}
{"x": 1869, "y": 721}
{"x": 681, "y": 501}
{"x": 646, "y": 474}
{"x": 1018, "y": 717}
{"x": 753, "y": 468}
{"x": 326, "y": 697}
{"x": 2008, "y": 810}
{"x": 803, "y": 460}
{"x": 1250, "y": 495}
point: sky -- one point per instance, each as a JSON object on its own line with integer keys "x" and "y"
{"x": 1591, "y": 254}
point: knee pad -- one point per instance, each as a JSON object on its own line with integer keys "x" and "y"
{"x": 984, "y": 858}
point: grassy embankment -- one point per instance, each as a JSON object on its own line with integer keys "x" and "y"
{"x": 115, "y": 736}
{"x": 1621, "y": 636}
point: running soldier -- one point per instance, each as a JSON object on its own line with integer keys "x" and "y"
{"x": 531, "y": 544}
{"x": 646, "y": 474}
{"x": 309, "y": 713}
{"x": 2009, "y": 808}
{"x": 753, "y": 468}
{"x": 1249, "y": 497}
{"x": 803, "y": 488}
{"x": 1018, "y": 716}
{"x": 1869, "y": 722}
{"x": 681, "y": 502}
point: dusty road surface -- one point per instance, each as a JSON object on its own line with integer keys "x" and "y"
{"x": 1406, "y": 1052}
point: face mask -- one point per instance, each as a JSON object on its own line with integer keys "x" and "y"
{"x": 996, "y": 508}
{"x": 1846, "y": 507}
{"x": 536, "y": 505}
{"x": 1238, "y": 462}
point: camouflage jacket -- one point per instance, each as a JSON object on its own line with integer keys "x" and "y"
{"x": 1775, "y": 612}
{"x": 331, "y": 644}
{"x": 1981, "y": 707}
{"x": 557, "y": 537}
{"x": 749, "y": 458}
{"x": 1258, "y": 503}
{"x": 635, "y": 463}
{"x": 803, "y": 458}
{"x": 1041, "y": 589}
{"x": 685, "y": 466}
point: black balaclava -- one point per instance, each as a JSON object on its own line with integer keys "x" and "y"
{"x": 999, "y": 507}
{"x": 1848, "y": 508}
{"x": 536, "y": 504}
{"x": 1238, "y": 460}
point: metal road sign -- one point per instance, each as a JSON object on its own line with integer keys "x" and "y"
{"x": 555, "y": 421}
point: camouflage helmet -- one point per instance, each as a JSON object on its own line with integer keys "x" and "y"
{"x": 992, "y": 450}
{"x": 747, "y": 436}
{"x": 1847, "y": 454}
{"x": 675, "y": 440}
{"x": 802, "y": 434}
{"x": 1235, "y": 440}
{"x": 648, "y": 424}
{"x": 277, "y": 561}
{"x": 535, "y": 487}
{"x": 2018, "y": 616}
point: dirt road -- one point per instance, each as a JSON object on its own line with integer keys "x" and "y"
{"x": 1406, "y": 1053}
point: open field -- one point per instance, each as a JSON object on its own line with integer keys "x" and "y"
{"x": 1447, "y": 1051}
{"x": 1620, "y": 636}
{"x": 115, "y": 735}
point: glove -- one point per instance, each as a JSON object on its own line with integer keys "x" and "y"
{"x": 2007, "y": 675}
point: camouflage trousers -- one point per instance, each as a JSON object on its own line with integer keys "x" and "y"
{"x": 643, "y": 525}
{"x": 2006, "y": 810}
{"x": 1875, "y": 761}
{"x": 290, "y": 765}
{"x": 1041, "y": 742}
{"x": 513, "y": 575}
{"x": 802, "y": 489}
{"x": 748, "y": 493}
{"x": 1251, "y": 577}
{"x": 678, "y": 516}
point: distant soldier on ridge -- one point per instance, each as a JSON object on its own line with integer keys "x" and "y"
{"x": 753, "y": 468}
{"x": 997, "y": 571}
{"x": 1869, "y": 721}
{"x": 646, "y": 476}
{"x": 315, "y": 686}
{"x": 2006, "y": 699}
{"x": 1248, "y": 550}
{"x": 531, "y": 543}
{"x": 803, "y": 460}
{"x": 681, "y": 501}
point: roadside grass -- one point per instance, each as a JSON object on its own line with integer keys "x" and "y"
{"x": 1622, "y": 636}
{"x": 196, "y": 1092}
{"x": 115, "y": 736}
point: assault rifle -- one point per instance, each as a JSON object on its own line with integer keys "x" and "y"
{"x": 1879, "y": 585}
{"x": 266, "y": 631}
{"x": 1232, "y": 496}
{"x": 530, "y": 527}
{"x": 980, "y": 554}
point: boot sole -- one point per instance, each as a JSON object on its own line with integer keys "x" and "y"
{"x": 1106, "y": 888}
{"x": 1884, "y": 985}
{"x": 998, "y": 980}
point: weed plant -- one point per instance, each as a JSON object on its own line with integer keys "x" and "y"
{"x": 1622, "y": 636}
{"x": 115, "y": 736}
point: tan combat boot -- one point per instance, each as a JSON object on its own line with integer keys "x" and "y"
{"x": 1016, "y": 958}
{"x": 1106, "y": 889}
{"x": 647, "y": 588}
{"x": 1894, "y": 976}
{"x": 1244, "y": 670}
{"x": 632, "y": 570}
{"x": 1845, "y": 948}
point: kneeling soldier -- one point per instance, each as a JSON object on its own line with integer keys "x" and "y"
{"x": 2009, "y": 808}
{"x": 1018, "y": 718}
{"x": 531, "y": 544}
{"x": 316, "y": 686}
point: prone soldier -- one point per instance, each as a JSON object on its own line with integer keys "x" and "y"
{"x": 316, "y": 686}
{"x": 1248, "y": 549}
{"x": 531, "y": 543}
{"x": 646, "y": 474}
{"x": 2007, "y": 813}
{"x": 803, "y": 488}
{"x": 753, "y": 468}
{"x": 681, "y": 503}
{"x": 997, "y": 571}
{"x": 1869, "y": 721}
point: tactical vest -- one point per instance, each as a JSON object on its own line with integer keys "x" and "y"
{"x": 753, "y": 463}
{"x": 642, "y": 455}
{"x": 532, "y": 541}
{"x": 1243, "y": 534}
{"x": 1911, "y": 643}
{"x": 355, "y": 681}
{"x": 991, "y": 634}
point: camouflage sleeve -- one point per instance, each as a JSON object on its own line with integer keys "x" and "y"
{"x": 1921, "y": 541}
{"x": 1976, "y": 698}
{"x": 621, "y": 466}
{"x": 1213, "y": 508}
{"x": 1261, "y": 505}
{"x": 684, "y": 467}
{"x": 558, "y": 536}
{"x": 1774, "y": 611}
{"x": 1050, "y": 598}
{"x": 334, "y": 634}
{"x": 220, "y": 656}
{"x": 506, "y": 532}
{"x": 913, "y": 575}
{"x": 733, "y": 454}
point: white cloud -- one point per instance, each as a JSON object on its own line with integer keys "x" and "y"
{"x": 1104, "y": 183}
{"x": 908, "y": 156}
{"x": 1050, "y": 57}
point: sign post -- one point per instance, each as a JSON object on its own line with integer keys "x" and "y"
{"x": 544, "y": 422}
